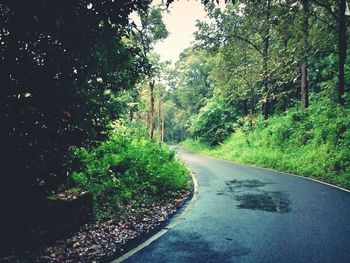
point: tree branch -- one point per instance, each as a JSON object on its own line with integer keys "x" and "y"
{"x": 324, "y": 21}
{"x": 328, "y": 8}
{"x": 248, "y": 42}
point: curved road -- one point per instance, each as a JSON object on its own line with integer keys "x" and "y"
{"x": 246, "y": 214}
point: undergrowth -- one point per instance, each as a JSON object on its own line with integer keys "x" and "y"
{"x": 313, "y": 142}
{"x": 128, "y": 169}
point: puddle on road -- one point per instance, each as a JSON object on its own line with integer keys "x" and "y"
{"x": 249, "y": 196}
{"x": 266, "y": 201}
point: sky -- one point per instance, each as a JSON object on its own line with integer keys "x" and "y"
{"x": 181, "y": 24}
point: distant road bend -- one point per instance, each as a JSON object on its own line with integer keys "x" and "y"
{"x": 246, "y": 214}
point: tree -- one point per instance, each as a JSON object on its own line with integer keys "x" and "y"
{"x": 248, "y": 22}
{"x": 342, "y": 47}
{"x": 160, "y": 117}
{"x": 304, "y": 66}
{"x": 192, "y": 84}
{"x": 152, "y": 30}
{"x": 213, "y": 122}
{"x": 51, "y": 68}
{"x": 64, "y": 67}
{"x": 340, "y": 23}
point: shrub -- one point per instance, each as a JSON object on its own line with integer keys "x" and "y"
{"x": 127, "y": 168}
{"x": 313, "y": 142}
{"x": 213, "y": 123}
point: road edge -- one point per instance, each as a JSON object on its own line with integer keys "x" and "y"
{"x": 271, "y": 170}
{"x": 172, "y": 222}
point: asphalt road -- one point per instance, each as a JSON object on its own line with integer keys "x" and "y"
{"x": 246, "y": 214}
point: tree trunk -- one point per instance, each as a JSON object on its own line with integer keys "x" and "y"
{"x": 251, "y": 103}
{"x": 245, "y": 107}
{"x": 266, "y": 41}
{"x": 163, "y": 129}
{"x": 160, "y": 117}
{"x": 151, "y": 110}
{"x": 304, "y": 86}
{"x": 131, "y": 113}
{"x": 304, "y": 82}
{"x": 342, "y": 51}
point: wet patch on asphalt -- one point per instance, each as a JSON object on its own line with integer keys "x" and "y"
{"x": 237, "y": 184}
{"x": 249, "y": 196}
{"x": 194, "y": 245}
{"x": 264, "y": 200}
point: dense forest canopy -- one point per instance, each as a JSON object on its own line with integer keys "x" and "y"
{"x": 262, "y": 57}
{"x": 62, "y": 63}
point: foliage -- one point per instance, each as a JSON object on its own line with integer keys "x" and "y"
{"x": 313, "y": 142}
{"x": 188, "y": 88}
{"x": 151, "y": 30}
{"x": 192, "y": 86}
{"x": 69, "y": 69}
{"x": 257, "y": 51}
{"x": 259, "y": 47}
{"x": 63, "y": 65}
{"x": 128, "y": 168}
{"x": 213, "y": 122}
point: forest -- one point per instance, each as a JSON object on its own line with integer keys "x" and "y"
{"x": 88, "y": 109}
{"x": 267, "y": 83}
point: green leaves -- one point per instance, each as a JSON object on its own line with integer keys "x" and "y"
{"x": 127, "y": 167}
{"x": 313, "y": 142}
{"x": 213, "y": 123}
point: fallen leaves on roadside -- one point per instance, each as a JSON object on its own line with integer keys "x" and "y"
{"x": 109, "y": 238}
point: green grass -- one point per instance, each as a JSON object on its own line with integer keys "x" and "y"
{"x": 313, "y": 143}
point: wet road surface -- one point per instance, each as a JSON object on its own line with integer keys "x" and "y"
{"x": 246, "y": 214}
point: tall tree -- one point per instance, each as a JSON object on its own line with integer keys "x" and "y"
{"x": 337, "y": 11}
{"x": 304, "y": 65}
{"x": 248, "y": 22}
{"x": 62, "y": 65}
{"x": 342, "y": 48}
{"x": 152, "y": 30}
{"x": 57, "y": 58}
{"x": 160, "y": 117}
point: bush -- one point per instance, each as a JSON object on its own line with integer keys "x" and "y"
{"x": 213, "y": 123}
{"x": 127, "y": 168}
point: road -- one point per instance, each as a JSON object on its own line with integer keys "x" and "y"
{"x": 246, "y": 214}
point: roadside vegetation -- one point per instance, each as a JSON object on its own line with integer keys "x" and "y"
{"x": 128, "y": 169}
{"x": 313, "y": 142}
{"x": 84, "y": 168}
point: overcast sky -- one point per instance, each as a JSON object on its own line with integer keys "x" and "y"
{"x": 180, "y": 22}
